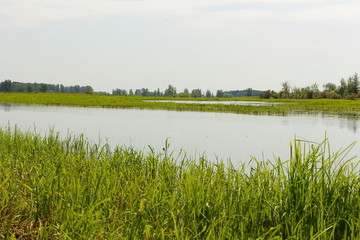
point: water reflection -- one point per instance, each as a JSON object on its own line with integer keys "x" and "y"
{"x": 349, "y": 123}
{"x": 6, "y": 107}
{"x": 216, "y": 135}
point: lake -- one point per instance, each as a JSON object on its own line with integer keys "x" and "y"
{"x": 215, "y": 135}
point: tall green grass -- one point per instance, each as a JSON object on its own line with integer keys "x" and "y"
{"x": 66, "y": 188}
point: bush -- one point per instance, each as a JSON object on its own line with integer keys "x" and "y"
{"x": 335, "y": 96}
{"x": 351, "y": 96}
{"x": 332, "y": 95}
{"x": 265, "y": 94}
{"x": 268, "y": 94}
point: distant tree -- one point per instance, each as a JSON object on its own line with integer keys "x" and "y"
{"x": 219, "y": 93}
{"x": 315, "y": 88}
{"x": 121, "y": 92}
{"x": 285, "y": 90}
{"x": 265, "y": 94}
{"x": 144, "y": 92}
{"x": 137, "y": 92}
{"x": 29, "y": 87}
{"x": 309, "y": 92}
{"x": 76, "y": 89}
{"x": 89, "y": 90}
{"x": 131, "y": 92}
{"x": 329, "y": 87}
{"x": 185, "y": 93}
{"x": 249, "y": 92}
{"x": 170, "y": 91}
{"x": 196, "y": 93}
{"x": 342, "y": 88}
{"x": 208, "y": 94}
{"x": 268, "y": 94}
{"x": 6, "y": 86}
{"x": 286, "y": 87}
{"x": 158, "y": 92}
{"x": 20, "y": 88}
{"x": 353, "y": 84}
{"x": 57, "y": 88}
{"x": 43, "y": 87}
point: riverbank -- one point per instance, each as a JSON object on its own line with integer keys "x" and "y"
{"x": 66, "y": 188}
{"x": 340, "y": 107}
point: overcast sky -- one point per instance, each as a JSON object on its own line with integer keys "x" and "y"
{"x": 207, "y": 44}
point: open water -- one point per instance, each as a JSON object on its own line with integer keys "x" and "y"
{"x": 214, "y": 135}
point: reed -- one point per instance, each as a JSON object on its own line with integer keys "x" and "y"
{"x": 66, "y": 188}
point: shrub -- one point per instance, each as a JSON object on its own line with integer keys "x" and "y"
{"x": 351, "y": 96}
{"x": 333, "y": 95}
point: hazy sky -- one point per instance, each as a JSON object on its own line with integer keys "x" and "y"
{"x": 207, "y": 44}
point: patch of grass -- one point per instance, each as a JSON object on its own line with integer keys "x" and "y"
{"x": 55, "y": 188}
{"x": 340, "y": 107}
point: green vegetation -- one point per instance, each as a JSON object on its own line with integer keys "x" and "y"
{"x": 289, "y": 106}
{"x": 9, "y": 86}
{"x": 348, "y": 89}
{"x": 195, "y": 93}
{"x": 53, "y": 188}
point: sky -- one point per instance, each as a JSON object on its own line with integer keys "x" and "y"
{"x": 206, "y": 44}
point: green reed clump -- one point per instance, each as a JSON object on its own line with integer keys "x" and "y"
{"x": 55, "y": 188}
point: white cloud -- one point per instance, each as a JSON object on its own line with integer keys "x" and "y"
{"x": 25, "y": 13}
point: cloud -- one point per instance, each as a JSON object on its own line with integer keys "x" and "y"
{"x": 197, "y": 14}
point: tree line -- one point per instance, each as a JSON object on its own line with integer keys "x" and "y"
{"x": 12, "y": 86}
{"x": 172, "y": 91}
{"x": 9, "y": 86}
{"x": 347, "y": 89}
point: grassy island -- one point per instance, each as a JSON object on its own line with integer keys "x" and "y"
{"x": 65, "y": 188}
{"x": 340, "y": 107}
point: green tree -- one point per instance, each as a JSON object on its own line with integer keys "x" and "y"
{"x": 353, "y": 84}
{"x": 6, "y": 86}
{"x": 220, "y": 93}
{"x": 89, "y": 90}
{"x": 249, "y": 92}
{"x": 29, "y": 87}
{"x": 208, "y": 94}
{"x": 329, "y": 87}
{"x": 170, "y": 91}
{"x": 43, "y": 87}
{"x": 196, "y": 93}
{"x": 285, "y": 90}
{"x": 158, "y": 92}
{"x": 144, "y": 92}
{"x": 137, "y": 92}
{"x": 185, "y": 93}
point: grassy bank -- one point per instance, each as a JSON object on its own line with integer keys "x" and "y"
{"x": 54, "y": 188}
{"x": 293, "y": 106}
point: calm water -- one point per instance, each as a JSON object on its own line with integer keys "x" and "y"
{"x": 216, "y": 135}
{"x": 244, "y": 103}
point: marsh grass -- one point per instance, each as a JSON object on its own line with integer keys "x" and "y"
{"x": 66, "y": 188}
{"x": 289, "y": 106}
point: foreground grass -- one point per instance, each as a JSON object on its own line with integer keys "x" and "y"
{"x": 53, "y": 188}
{"x": 289, "y": 106}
